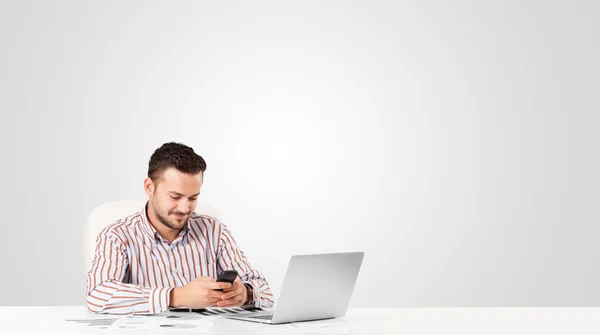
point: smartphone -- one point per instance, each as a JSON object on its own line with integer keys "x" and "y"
{"x": 227, "y": 276}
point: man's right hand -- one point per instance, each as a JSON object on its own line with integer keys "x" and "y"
{"x": 198, "y": 293}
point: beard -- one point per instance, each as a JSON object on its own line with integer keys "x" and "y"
{"x": 173, "y": 224}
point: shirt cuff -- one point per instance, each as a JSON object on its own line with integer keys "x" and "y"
{"x": 160, "y": 299}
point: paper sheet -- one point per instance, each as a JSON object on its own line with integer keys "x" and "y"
{"x": 153, "y": 324}
{"x": 163, "y": 323}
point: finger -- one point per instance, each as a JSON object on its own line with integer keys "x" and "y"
{"x": 224, "y": 305}
{"x": 229, "y": 295}
{"x": 235, "y": 301}
{"x": 211, "y": 294}
{"x": 235, "y": 286}
{"x": 218, "y": 285}
{"x": 213, "y": 302}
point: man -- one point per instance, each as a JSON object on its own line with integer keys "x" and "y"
{"x": 168, "y": 256}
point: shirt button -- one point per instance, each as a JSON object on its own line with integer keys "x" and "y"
{"x": 176, "y": 271}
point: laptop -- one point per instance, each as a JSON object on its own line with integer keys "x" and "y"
{"x": 315, "y": 287}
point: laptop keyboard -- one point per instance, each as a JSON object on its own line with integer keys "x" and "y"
{"x": 263, "y": 317}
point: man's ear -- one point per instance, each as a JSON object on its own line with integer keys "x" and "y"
{"x": 149, "y": 186}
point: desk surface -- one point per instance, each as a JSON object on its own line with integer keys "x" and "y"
{"x": 475, "y": 320}
{"x": 78, "y": 320}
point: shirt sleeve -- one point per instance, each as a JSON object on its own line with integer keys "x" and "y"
{"x": 105, "y": 290}
{"x": 229, "y": 256}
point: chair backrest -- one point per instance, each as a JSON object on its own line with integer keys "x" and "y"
{"x": 108, "y": 213}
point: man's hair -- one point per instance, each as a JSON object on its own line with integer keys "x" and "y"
{"x": 174, "y": 155}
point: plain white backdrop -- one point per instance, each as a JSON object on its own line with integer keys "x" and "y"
{"x": 456, "y": 143}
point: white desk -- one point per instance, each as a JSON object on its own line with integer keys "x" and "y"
{"x": 53, "y": 320}
{"x": 430, "y": 321}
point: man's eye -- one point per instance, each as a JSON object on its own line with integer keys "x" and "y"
{"x": 193, "y": 199}
{"x": 176, "y": 198}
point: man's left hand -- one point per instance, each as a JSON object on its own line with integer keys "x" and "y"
{"x": 236, "y": 295}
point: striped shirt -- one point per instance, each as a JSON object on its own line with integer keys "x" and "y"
{"x": 135, "y": 269}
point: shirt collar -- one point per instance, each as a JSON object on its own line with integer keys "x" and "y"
{"x": 146, "y": 226}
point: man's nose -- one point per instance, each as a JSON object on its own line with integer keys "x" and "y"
{"x": 182, "y": 206}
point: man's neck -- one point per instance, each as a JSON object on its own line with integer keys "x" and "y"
{"x": 164, "y": 231}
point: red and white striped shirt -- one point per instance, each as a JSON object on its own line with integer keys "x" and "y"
{"x": 135, "y": 269}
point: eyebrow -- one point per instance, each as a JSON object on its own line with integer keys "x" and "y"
{"x": 181, "y": 195}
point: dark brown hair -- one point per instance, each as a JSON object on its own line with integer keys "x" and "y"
{"x": 174, "y": 155}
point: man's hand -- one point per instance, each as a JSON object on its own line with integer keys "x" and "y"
{"x": 199, "y": 293}
{"x": 236, "y": 295}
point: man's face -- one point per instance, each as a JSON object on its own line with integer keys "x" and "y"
{"x": 174, "y": 198}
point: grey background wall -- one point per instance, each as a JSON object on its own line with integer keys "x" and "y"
{"x": 456, "y": 143}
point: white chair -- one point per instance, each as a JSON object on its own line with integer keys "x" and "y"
{"x": 108, "y": 213}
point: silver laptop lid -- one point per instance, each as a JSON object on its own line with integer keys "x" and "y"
{"x": 317, "y": 286}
